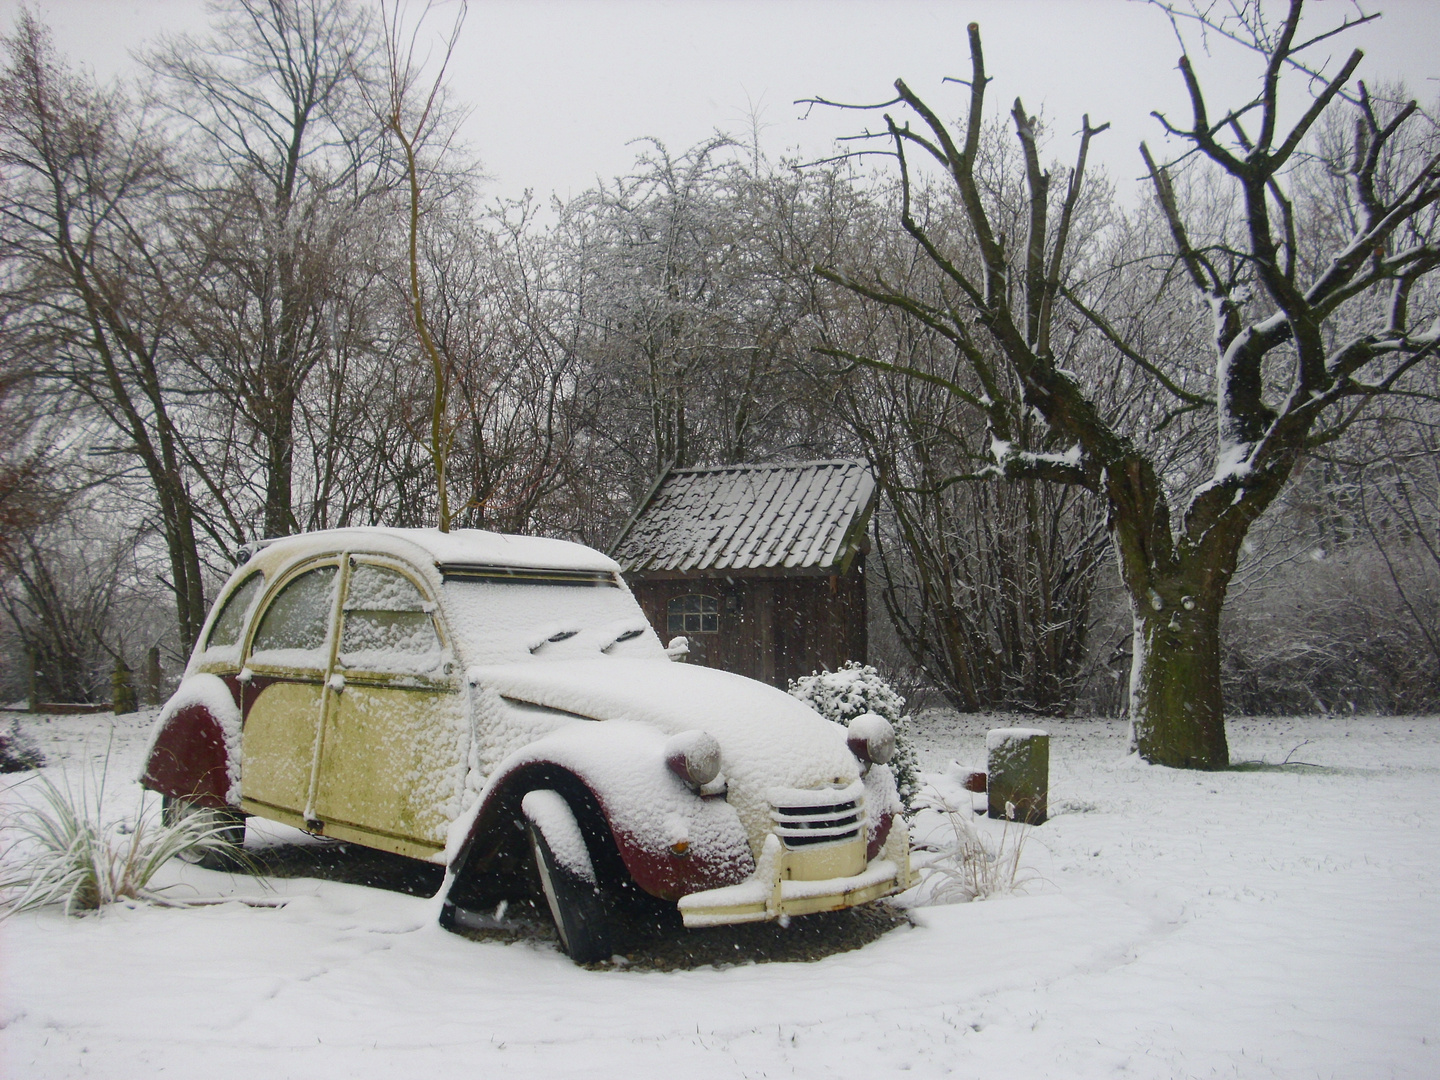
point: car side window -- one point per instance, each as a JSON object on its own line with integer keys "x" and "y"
{"x": 294, "y": 627}
{"x": 388, "y": 625}
{"x": 230, "y": 623}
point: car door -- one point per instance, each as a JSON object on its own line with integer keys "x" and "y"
{"x": 286, "y": 666}
{"x": 396, "y": 737}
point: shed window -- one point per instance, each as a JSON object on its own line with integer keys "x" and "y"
{"x": 693, "y": 614}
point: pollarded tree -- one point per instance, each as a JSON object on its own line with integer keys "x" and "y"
{"x": 1300, "y": 344}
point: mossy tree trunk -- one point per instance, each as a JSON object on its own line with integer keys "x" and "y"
{"x": 1177, "y": 710}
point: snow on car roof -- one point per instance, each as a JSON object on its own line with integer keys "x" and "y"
{"x": 466, "y": 547}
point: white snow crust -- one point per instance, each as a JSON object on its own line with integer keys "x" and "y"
{"x": 999, "y": 738}
{"x": 625, "y": 764}
{"x": 476, "y": 547}
{"x": 1271, "y": 923}
{"x": 767, "y": 738}
{"x": 551, "y": 814}
{"x": 502, "y": 623}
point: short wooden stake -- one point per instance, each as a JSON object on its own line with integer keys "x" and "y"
{"x": 152, "y": 675}
{"x": 122, "y": 693}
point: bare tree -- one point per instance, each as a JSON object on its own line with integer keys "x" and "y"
{"x": 416, "y": 118}
{"x": 694, "y": 310}
{"x": 283, "y": 158}
{"x": 1284, "y": 380}
{"x": 90, "y": 285}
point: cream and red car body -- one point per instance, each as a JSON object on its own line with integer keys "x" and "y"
{"x": 414, "y": 687}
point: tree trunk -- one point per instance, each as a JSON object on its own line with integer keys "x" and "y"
{"x": 280, "y": 460}
{"x": 1177, "y": 713}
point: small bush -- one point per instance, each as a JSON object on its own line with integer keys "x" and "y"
{"x": 964, "y": 865}
{"x": 63, "y": 851}
{"x": 857, "y": 689}
{"x": 18, "y": 752}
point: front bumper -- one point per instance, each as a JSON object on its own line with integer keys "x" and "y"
{"x": 767, "y": 894}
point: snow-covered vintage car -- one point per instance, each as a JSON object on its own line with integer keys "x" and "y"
{"x": 436, "y": 695}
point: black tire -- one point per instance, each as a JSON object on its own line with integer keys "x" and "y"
{"x": 577, "y": 906}
{"x": 230, "y": 832}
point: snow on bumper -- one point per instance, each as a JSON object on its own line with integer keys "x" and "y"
{"x": 766, "y": 894}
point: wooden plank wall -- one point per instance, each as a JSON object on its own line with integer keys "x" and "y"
{"x": 774, "y": 629}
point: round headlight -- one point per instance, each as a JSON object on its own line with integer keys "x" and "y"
{"x": 871, "y": 738}
{"x": 694, "y": 756}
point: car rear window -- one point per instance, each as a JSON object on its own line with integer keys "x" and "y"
{"x": 230, "y": 623}
{"x": 294, "y": 627}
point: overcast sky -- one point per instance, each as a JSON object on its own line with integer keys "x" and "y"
{"x": 559, "y": 88}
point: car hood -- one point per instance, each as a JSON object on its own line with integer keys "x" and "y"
{"x": 768, "y": 739}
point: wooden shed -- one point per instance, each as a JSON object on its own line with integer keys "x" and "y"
{"x": 761, "y": 567}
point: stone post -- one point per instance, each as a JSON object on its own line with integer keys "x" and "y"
{"x": 1019, "y": 774}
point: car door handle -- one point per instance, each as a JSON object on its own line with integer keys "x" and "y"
{"x": 337, "y": 682}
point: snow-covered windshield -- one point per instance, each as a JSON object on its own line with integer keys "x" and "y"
{"x": 500, "y": 622}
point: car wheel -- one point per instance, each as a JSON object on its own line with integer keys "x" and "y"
{"x": 575, "y": 904}
{"x": 228, "y": 836}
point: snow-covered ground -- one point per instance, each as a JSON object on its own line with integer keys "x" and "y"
{"x": 1263, "y": 922}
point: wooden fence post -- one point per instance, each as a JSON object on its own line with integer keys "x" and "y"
{"x": 152, "y": 675}
{"x": 122, "y": 696}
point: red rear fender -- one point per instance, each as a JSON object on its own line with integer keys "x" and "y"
{"x": 190, "y": 756}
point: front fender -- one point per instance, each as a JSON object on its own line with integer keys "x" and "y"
{"x": 194, "y": 749}
{"x": 670, "y": 841}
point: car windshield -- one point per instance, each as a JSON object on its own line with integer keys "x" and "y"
{"x": 500, "y": 622}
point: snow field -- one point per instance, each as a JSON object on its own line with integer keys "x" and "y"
{"x": 1271, "y": 922}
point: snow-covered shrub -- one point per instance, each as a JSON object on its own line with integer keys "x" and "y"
{"x": 962, "y": 864}
{"x": 64, "y": 851}
{"x": 18, "y": 752}
{"x": 857, "y": 689}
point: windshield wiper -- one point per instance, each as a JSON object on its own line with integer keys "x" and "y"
{"x": 563, "y": 635}
{"x": 626, "y": 636}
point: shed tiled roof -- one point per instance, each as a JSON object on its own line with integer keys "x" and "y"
{"x": 750, "y": 517}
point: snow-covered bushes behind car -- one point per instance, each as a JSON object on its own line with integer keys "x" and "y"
{"x": 857, "y": 689}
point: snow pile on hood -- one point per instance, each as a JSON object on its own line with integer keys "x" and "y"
{"x": 768, "y": 740}
{"x": 643, "y": 799}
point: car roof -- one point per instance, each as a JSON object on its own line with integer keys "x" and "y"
{"x": 459, "y": 547}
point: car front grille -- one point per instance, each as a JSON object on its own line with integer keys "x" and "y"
{"x": 800, "y": 824}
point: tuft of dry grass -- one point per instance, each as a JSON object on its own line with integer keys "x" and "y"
{"x": 62, "y": 850}
{"x": 963, "y": 864}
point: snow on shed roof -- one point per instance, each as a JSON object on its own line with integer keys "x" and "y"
{"x": 459, "y": 546}
{"x": 750, "y": 517}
